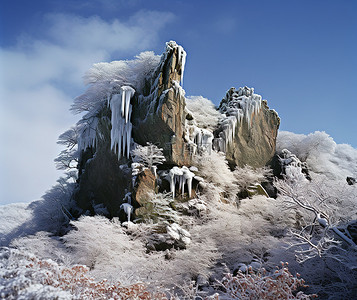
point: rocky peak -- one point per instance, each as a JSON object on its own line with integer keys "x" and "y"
{"x": 159, "y": 115}
{"x": 248, "y": 132}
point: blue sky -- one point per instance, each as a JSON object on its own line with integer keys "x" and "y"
{"x": 299, "y": 55}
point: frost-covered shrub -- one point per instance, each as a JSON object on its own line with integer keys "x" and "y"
{"x": 321, "y": 153}
{"x": 115, "y": 250}
{"x": 248, "y": 176}
{"x": 214, "y": 169}
{"x": 263, "y": 285}
{"x": 43, "y": 245}
{"x": 68, "y": 158}
{"x": 244, "y": 233}
{"x": 203, "y": 111}
{"x": 158, "y": 210}
{"x": 54, "y": 211}
{"x": 25, "y": 276}
{"x": 325, "y": 207}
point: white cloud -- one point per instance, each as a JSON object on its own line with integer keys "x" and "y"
{"x": 35, "y": 78}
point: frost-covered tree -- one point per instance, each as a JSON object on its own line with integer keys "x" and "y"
{"x": 248, "y": 176}
{"x": 68, "y": 158}
{"x": 150, "y": 156}
{"x": 106, "y": 78}
{"x": 326, "y": 208}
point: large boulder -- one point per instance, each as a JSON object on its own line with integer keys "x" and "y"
{"x": 248, "y": 132}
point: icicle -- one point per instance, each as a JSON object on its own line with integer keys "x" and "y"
{"x": 174, "y": 177}
{"x": 127, "y": 106}
{"x": 182, "y": 185}
{"x": 189, "y": 186}
{"x": 128, "y": 208}
{"x": 128, "y": 139}
{"x": 187, "y": 178}
{"x": 122, "y": 101}
{"x": 172, "y": 183}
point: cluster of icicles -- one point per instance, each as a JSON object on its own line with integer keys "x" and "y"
{"x": 181, "y": 176}
{"x": 121, "y": 126}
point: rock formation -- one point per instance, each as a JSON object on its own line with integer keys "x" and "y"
{"x": 248, "y": 133}
{"x": 152, "y": 109}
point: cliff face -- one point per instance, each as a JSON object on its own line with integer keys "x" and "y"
{"x": 248, "y": 132}
{"x": 152, "y": 108}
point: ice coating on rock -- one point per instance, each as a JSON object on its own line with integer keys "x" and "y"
{"x": 181, "y": 56}
{"x": 238, "y": 105}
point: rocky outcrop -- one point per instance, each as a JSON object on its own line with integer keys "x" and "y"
{"x": 159, "y": 113}
{"x": 351, "y": 180}
{"x": 248, "y": 133}
{"x": 153, "y": 110}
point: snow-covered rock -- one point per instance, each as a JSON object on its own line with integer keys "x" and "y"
{"x": 248, "y": 132}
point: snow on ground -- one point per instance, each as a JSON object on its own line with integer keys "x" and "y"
{"x": 12, "y": 217}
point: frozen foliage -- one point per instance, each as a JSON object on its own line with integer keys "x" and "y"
{"x": 249, "y": 176}
{"x": 107, "y": 78}
{"x": 25, "y": 276}
{"x": 263, "y": 285}
{"x": 176, "y": 232}
{"x": 321, "y": 153}
{"x": 68, "y": 158}
{"x": 123, "y": 257}
{"x": 238, "y": 105}
{"x": 222, "y": 175}
{"x": 203, "y": 112}
{"x": 115, "y": 252}
{"x": 51, "y": 213}
{"x": 88, "y": 128}
{"x": 149, "y": 155}
{"x": 327, "y": 206}
{"x": 121, "y": 125}
{"x": 159, "y": 209}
